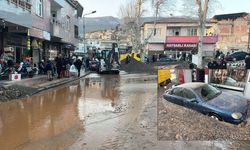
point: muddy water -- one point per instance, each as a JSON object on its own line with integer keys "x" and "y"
{"x": 82, "y": 114}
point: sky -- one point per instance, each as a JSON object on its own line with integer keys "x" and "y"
{"x": 111, "y": 7}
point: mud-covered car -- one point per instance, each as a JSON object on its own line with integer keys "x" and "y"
{"x": 210, "y": 101}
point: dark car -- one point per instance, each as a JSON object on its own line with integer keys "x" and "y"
{"x": 94, "y": 65}
{"x": 236, "y": 56}
{"x": 210, "y": 101}
{"x": 166, "y": 59}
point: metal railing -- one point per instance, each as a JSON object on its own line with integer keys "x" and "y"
{"x": 25, "y": 4}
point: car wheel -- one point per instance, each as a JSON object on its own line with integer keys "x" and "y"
{"x": 215, "y": 116}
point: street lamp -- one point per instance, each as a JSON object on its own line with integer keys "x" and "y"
{"x": 84, "y": 28}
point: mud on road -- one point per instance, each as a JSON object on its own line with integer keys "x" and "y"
{"x": 179, "y": 123}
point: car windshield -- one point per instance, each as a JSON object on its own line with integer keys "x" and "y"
{"x": 208, "y": 92}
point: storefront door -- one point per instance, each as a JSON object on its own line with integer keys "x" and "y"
{"x": 18, "y": 52}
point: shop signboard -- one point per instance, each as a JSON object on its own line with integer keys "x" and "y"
{"x": 181, "y": 45}
{"x": 234, "y": 79}
{"x": 46, "y": 35}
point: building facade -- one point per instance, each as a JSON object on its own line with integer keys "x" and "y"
{"x": 174, "y": 35}
{"x": 15, "y": 20}
{"x": 233, "y": 31}
{"x": 39, "y": 29}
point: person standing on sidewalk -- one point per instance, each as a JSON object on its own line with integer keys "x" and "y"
{"x": 78, "y": 65}
{"x": 247, "y": 61}
{"x": 59, "y": 67}
{"x": 49, "y": 69}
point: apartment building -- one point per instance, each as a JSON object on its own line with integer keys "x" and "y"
{"x": 15, "y": 20}
{"x": 173, "y": 35}
{"x": 39, "y": 29}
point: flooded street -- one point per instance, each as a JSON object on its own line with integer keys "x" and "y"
{"x": 98, "y": 112}
{"x": 89, "y": 114}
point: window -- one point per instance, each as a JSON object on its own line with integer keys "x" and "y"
{"x": 39, "y": 7}
{"x": 67, "y": 22}
{"x": 191, "y": 32}
{"x": 188, "y": 94}
{"x": 173, "y": 31}
{"x": 154, "y": 32}
{"x": 177, "y": 92}
{"x": 209, "y": 92}
{"x": 76, "y": 31}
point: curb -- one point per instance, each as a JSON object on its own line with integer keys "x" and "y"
{"x": 41, "y": 89}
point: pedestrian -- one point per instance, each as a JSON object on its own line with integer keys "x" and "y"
{"x": 67, "y": 69}
{"x": 59, "y": 67}
{"x": 87, "y": 64}
{"x": 63, "y": 69}
{"x": 127, "y": 59}
{"x": 217, "y": 54}
{"x": 41, "y": 67}
{"x": 247, "y": 61}
{"x": 78, "y": 65}
{"x": 223, "y": 64}
{"x": 191, "y": 65}
{"x": 215, "y": 65}
{"x": 210, "y": 64}
{"x": 49, "y": 70}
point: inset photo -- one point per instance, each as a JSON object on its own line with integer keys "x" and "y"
{"x": 204, "y": 105}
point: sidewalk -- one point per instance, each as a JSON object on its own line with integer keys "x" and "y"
{"x": 10, "y": 90}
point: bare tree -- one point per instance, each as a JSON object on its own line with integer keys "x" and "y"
{"x": 189, "y": 8}
{"x": 202, "y": 13}
{"x": 201, "y": 9}
{"x": 131, "y": 14}
{"x": 159, "y": 6}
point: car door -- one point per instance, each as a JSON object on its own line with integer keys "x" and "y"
{"x": 191, "y": 100}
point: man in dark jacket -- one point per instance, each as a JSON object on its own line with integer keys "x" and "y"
{"x": 247, "y": 61}
{"x": 78, "y": 65}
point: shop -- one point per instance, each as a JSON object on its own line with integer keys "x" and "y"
{"x": 175, "y": 46}
{"x": 39, "y": 44}
{"x": 15, "y": 47}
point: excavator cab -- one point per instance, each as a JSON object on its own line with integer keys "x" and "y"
{"x": 109, "y": 60}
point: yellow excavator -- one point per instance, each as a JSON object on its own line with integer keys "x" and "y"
{"x": 134, "y": 55}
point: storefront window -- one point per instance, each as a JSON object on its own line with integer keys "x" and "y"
{"x": 229, "y": 77}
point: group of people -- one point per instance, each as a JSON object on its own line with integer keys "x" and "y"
{"x": 60, "y": 67}
{"x": 219, "y": 62}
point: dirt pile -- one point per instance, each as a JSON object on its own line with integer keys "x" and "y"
{"x": 12, "y": 92}
{"x": 138, "y": 67}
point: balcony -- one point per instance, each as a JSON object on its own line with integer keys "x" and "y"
{"x": 56, "y": 28}
{"x": 25, "y": 4}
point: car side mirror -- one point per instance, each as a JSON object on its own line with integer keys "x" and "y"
{"x": 194, "y": 100}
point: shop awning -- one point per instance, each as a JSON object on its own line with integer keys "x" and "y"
{"x": 190, "y": 39}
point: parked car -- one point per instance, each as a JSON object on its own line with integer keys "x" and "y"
{"x": 166, "y": 59}
{"x": 210, "y": 101}
{"x": 94, "y": 65}
{"x": 236, "y": 56}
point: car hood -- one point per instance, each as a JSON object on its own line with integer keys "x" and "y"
{"x": 230, "y": 102}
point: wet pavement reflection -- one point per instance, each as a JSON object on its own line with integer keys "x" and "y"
{"x": 58, "y": 118}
